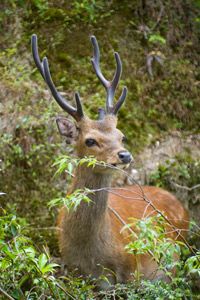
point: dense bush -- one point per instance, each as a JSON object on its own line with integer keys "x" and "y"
{"x": 181, "y": 175}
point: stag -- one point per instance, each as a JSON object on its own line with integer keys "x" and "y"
{"x": 91, "y": 238}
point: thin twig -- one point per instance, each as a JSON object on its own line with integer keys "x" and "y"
{"x": 160, "y": 15}
{"x": 144, "y": 213}
{"x": 66, "y": 292}
{"x": 45, "y": 228}
{"x": 186, "y": 187}
{"x": 6, "y": 294}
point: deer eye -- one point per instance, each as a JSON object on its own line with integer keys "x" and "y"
{"x": 124, "y": 139}
{"x": 90, "y": 142}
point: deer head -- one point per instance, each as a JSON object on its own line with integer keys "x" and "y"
{"x": 99, "y": 138}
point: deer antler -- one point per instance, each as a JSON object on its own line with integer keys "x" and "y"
{"x": 110, "y": 86}
{"x": 43, "y": 67}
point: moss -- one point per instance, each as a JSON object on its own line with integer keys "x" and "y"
{"x": 52, "y": 13}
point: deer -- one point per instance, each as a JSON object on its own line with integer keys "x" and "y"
{"x": 91, "y": 238}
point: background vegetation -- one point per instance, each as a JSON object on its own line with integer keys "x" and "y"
{"x": 163, "y": 97}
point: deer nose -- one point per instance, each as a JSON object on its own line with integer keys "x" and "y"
{"x": 125, "y": 157}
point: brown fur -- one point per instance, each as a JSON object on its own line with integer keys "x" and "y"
{"x": 90, "y": 238}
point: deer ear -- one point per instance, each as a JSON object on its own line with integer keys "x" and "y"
{"x": 67, "y": 128}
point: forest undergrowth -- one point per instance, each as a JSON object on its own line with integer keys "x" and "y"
{"x": 29, "y": 273}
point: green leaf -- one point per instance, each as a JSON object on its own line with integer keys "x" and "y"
{"x": 42, "y": 260}
{"x": 70, "y": 168}
{"x": 49, "y": 268}
{"x": 156, "y": 38}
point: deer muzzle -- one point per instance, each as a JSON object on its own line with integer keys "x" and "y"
{"x": 125, "y": 157}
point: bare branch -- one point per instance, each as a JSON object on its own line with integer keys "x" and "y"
{"x": 197, "y": 186}
{"x": 6, "y": 294}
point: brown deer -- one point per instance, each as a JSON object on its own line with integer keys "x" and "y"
{"x": 90, "y": 238}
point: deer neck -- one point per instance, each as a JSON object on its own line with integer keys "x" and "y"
{"x": 90, "y": 218}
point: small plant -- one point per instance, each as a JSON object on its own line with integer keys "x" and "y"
{"x": 150, "y": 237}
{"x": 41, "y": 5}
{"x": 72, "y": 201}
{"x": 28, "y": 273}
{"x": 87, "y": 11}
{"x": 67, "y": 163}
{"x": 192, "y": 264}
{"x": 157, "y": 39}
{"x": 183, "y": 170}
{"x": 24, "y": 271}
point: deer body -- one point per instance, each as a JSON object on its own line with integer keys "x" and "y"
{"x": 90, "y": 238}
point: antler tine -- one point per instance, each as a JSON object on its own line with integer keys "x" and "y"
{"x": 102, "y": 113}
{"x": 79, "y": 105}
{"x": 120, "y": 101}
{"x": 36, "y": 57}
{"x": 95, "y": 63}
{"x": 60, "y": 100}
{"x": 110, "y": 86}
{"x": 43, "y": 67}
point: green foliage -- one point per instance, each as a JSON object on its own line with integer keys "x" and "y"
{"x": 150, "y": 238}
{"x": 67, "y": 163}
{"x": 29, "y": 273}
{"x": 87, "y": 11}
{"x": 181, "y": 175}
{"x": 192, "y": 264}
{"x": 153, "y": 241}
{"x": 157, "y": 39}
{"x": 161, "y": 291}
{"x": 183, "y": 170}
{"x": 27, "y": 143}
{"x": 73, "y": 200}
{"x": 41, "y": 5}
{"x": 20, "y": 262}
